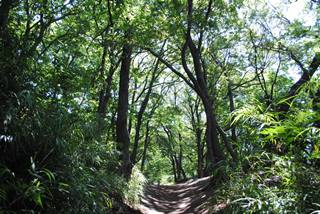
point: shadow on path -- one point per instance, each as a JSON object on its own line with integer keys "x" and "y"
{"x": 188, "y": 197}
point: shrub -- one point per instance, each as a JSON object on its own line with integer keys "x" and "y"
{"x": 135, "y": 186}
{"x": 273, "y": 184}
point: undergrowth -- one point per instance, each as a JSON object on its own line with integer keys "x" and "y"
{"x": 84, "y": 179}
{"x": 135, "y": 187}
{"x": 268, "y": 183}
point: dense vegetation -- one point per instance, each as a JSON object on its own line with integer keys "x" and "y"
{"x": 101, "y": 97}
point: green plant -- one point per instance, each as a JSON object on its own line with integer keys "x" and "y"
{"x": 272, "y": 184}
{"x": 135, "y": 186}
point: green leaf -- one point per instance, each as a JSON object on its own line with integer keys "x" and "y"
{"x": 37, "y": 199}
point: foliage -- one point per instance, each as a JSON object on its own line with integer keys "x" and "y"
{"x": 59, "y": 87}
{"x": 158, "y": 168}
{"x": 269, "y": 184}
{"x": 90, "y": 180}
{"x": 135, "y": 187}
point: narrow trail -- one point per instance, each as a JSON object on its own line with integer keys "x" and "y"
{"x": 188, "y": 197}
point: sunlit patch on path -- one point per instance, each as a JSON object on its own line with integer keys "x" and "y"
{"x": 188, "y": 197}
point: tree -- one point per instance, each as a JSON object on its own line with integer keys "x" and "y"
{"x": 122, "y": 128}
{"x": 196, "y": 123}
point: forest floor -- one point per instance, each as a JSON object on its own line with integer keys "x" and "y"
{"x": 189, "y": 197}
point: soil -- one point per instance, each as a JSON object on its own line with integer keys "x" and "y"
{"x": 188, "y": 197}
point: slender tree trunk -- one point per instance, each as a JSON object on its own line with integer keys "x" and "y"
{"x": 140, "y": 114}
{"x": 228, "y": 145}
{"x": 137, "y": 136}
{"x": 232, "y": 108}
{"x": 105, "y": 95}
{"x": 180, "y": 162}
{"x": 112, "y": 128}
{"x": 145, "y": 147}
{"x": 178, "y": 168}
{"x": 199, "y": 153}
{"x": 183, "y": 174}
{"x": 122, "y": 133}
{"x": 132, "y": 107}
{"x": 196, "y": 123}
{"x": 174, "y": 169}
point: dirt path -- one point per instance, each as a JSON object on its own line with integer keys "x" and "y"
{"x": 189, "y": 197}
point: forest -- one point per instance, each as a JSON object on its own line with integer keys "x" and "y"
{"x": 159, "y": 106}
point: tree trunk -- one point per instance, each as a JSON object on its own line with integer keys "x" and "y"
{"x": 196, "y": 123}
{"x": 174, "y": 169}
{"x": 199, "y": 153}
{"x": 145, "y": 147}
{"x": 201, "y": 86}
{"x": 105, "y": 95}
{"x": 228, "y": 145}
{"x": 105, "y": 92}
{"x": 178, "y": 168}
{"x": 137, "y": 135}
{"x": 6, "y": 6}
{"x": 132, "y": 107}
{"x": 212, "y": 140}
{"x": 141, "y": 112}
{"x": 10, "y": 68}
{"x": 180, "y": 163}
{"x": 232, "y": 108}
{"x": 197, "y": 81}
{"x": 295, "y": 88}
{"x": 122, "y": 133}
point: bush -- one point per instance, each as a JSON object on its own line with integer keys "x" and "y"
{"x": 272, "y": 184}
{"x": 56, "y": 165}
{"x": 135, "y": 186}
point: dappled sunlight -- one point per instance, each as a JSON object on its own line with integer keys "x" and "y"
{"x": 188, "y": 197}
{"x": 159, "y": 106}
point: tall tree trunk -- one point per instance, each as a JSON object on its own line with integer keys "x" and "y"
{"x": 112, "y": 128}
{"x": 199, "y": 153}
{"x": 201, "y": 86}
{"x": 105, "y": 94}
{"x": 101, "y": 105}
{"x": 178, "y": 168}
{"x": 132, "y": 107}
{"x": 196, "y": 124}
{"x": 137, "y": 136}
{"x": 228, "y": 145}
{"x": 174, "y": 169}
{"x": 212, "y": 140}
{"x": 141, "y": 112}
{"x": 9, "y": 66}
{"x": 148, "y": 137}
{"x": 197, "y": 81}
{"x": 184, "y": 177}
{"x": 6, "y": 6}
{"x": 145, "y": 147}
{"x": 122, "y": 133}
